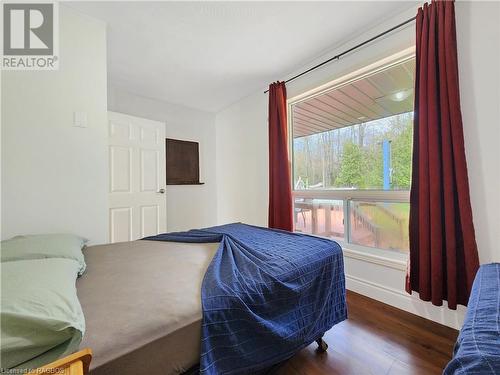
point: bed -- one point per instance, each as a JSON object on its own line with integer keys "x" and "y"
{"x": 477, "y": 350}
{"x": 235, "y": 299}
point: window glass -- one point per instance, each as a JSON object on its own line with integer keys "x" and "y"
{"x": 323, "y": 217}
{"x": 372, "y": 155}
{"x": 351, "y": 154}
{"x": 379, "y": 224}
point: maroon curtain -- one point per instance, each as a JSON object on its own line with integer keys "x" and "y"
{"x": 443, "y": 252}
{"x": 280, "y": 191}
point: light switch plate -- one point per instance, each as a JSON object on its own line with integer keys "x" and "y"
{"x": 80, "y": 119}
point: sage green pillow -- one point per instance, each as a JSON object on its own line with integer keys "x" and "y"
{"x": 41, "y": 246}
{"x": 41, "y": 316}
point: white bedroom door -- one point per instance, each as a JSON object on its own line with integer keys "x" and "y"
{"x": 137, "y": 195}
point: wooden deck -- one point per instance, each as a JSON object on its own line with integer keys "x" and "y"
{"x": 327, "y": 220}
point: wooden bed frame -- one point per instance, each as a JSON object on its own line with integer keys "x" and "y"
{"x": 75, "y": 364}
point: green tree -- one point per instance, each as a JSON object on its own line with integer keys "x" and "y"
{"x": 350, "y": 174}
{"x": 372, "y": 166}
{"x": 401, "y": 158}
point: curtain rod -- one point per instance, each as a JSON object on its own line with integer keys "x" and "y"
{"x": 349, "y": 50}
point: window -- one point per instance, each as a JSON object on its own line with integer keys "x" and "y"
{"x": 352, "y": 146}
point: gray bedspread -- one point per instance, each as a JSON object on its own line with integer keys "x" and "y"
{"x": 142, "y": 306}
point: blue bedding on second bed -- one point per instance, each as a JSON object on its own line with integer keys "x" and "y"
{"x": 266, "y": 294}
{"x": 477, "y": 351}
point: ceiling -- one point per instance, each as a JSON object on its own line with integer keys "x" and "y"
{"x": 208, "y": 55}
{"x": 385, "y": 93}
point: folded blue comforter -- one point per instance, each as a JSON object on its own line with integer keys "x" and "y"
{"x": 266, "y": 294}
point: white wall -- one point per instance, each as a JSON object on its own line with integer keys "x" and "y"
{"x": 188, "y": 206}
{"x": 54, "y": 176}
{"x": 242, "y": 162}
{"x": 243, "y": 127}
{"x": 478, "y": 37}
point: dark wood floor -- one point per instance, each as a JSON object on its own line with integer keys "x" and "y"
{"x": 377, "y": 339}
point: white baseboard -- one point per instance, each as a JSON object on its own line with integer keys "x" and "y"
{"x": 411, "y": 303}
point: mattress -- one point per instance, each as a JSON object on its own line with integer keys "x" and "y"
{"x": 142, "y": 306}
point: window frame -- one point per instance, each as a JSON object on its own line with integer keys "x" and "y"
{"x": 393, "y": 258}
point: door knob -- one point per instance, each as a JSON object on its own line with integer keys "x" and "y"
{"x": 161, "y": 191}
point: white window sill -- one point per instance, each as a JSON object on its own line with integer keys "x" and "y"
{"x": 386, "y": 258}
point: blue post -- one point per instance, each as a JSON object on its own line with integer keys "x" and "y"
{"x": 386, "y": 152}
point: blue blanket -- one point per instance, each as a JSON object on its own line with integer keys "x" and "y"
{"x": 477, "y": 351}
{"x": 266, "y": 294}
